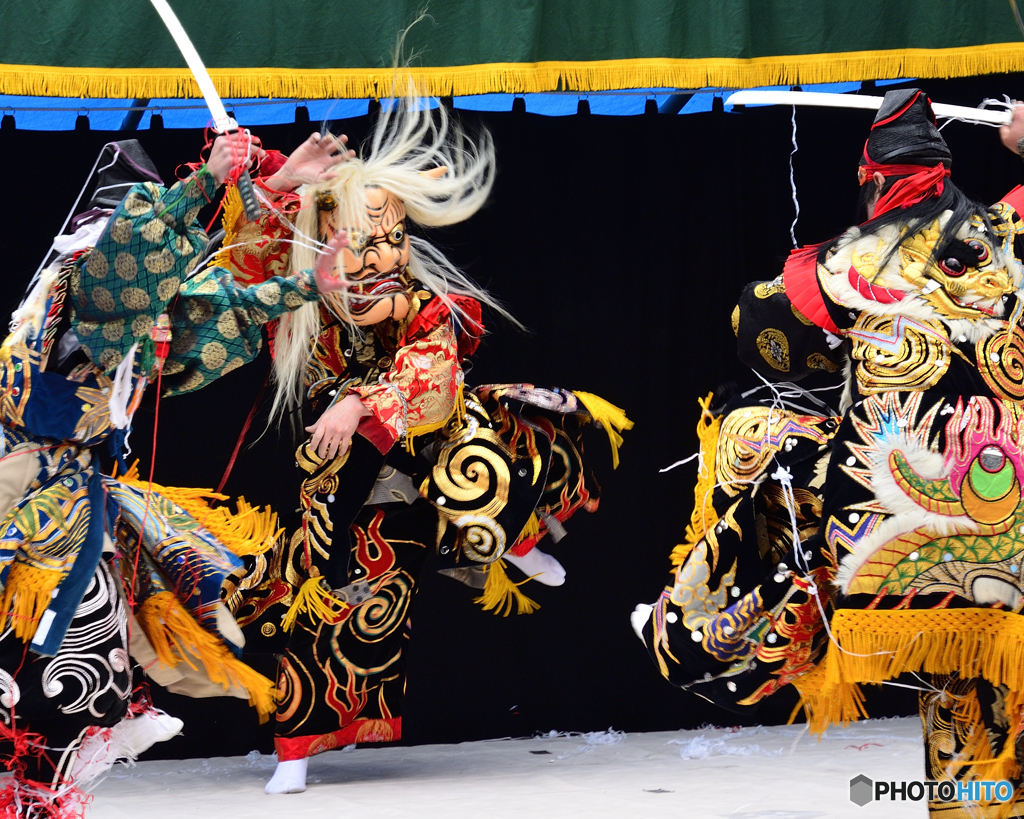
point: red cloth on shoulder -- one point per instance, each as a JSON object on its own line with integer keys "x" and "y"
{"x": 800, "y": 277}
{"x": 469, "y": 326}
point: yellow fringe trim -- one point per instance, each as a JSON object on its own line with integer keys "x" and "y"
{"x": 515, "y": 78}
{"x": 531, "y": 529}
{"x": 609, "y": 416}
{"x": 458, "y": 411}
{"x": 248, "y": 531}
{"x": 500, "y": 593}
{"x": 26, "y": 596}
{"x": 178, "y": 638}
{"x": 314, "y": 600}
{"x": 233, "y": 210}
{"x": 703, "y": 516}
{"x": 880, "y": 645}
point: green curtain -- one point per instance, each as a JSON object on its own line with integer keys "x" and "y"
{"x": 330, "y": 48}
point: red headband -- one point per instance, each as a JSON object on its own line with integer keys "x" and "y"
{"x": 919, "y": 183}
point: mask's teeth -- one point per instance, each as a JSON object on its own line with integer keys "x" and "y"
{"x": 931, "y": 287}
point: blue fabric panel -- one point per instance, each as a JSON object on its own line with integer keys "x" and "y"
{"x": 71, "y": 591}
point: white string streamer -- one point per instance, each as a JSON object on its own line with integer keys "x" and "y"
{"x": 792, "y": 183}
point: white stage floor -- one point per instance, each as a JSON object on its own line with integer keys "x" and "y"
{"x": 750, "y": 773}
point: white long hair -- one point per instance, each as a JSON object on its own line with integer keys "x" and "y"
{"x": 407, "y": 142}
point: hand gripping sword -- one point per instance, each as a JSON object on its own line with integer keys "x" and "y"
{"x": 221, "y": 121}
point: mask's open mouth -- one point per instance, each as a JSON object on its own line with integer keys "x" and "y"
{"x": 956, "y": 306}
{"x": 365, "y": 293}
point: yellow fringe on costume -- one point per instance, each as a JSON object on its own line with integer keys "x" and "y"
{"x": 516, "y": 78}
{"x": 501, "y": 593}
{"x": 313, "y": 599}
{"x": 609, "y": 416}
{"x": 178, "y": 638}
{"x": 233, "y": 210}
{"x": 703, "y": 516}
{"x": 880, "y": 645}
{"x": 248, "y": 531}
{"x": 458, "y": 411}
{"x": 531, "y": 529}
{"x": 26, "y": 596}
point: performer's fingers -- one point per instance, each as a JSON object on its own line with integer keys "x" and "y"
{"x": 332, "y": 448}
{"x": 318, "y": 433}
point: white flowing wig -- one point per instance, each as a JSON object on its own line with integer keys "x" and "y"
{"x": 408, "y": 142}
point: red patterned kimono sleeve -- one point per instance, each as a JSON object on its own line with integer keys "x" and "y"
{"x": 256, "y": 251}
{"x": 421, "y": 390}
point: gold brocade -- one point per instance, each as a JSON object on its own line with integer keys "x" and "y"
{"x": 774, "y": 348}
{"x": 913, "y": 361}
{"x": 750, "y": 438}
{"x": 817, "y": 361}
{"x": 767, "y": 289}
{"x": 476, "y": 473}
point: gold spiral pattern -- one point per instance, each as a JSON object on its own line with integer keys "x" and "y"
{"x": 1001, "y": 363}
{"x": 377, "y": 617}
{"x": 742, "y": 455}
{"x": 918, "y": 362}
{"x": 473, "y": 478}
{"x": 481, "y": 539}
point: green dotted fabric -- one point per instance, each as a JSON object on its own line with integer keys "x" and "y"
{"x": 138, "y": 270}
{"x": 150, "y": 244}
{"x": 216, "y": 324}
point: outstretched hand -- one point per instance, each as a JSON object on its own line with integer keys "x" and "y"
{"x": 1012, "y": 134}
{"x": 332, "y": 432}
{"x": 325, "y": 270}
{"x": 312, "y": 161}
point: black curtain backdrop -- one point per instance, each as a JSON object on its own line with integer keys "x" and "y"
{"x": 621, "y": 243}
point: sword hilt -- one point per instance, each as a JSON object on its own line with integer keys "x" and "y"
{"x": 248, "y": 194}
{"x": 250, "y": 203}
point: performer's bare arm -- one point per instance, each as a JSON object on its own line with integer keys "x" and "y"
{"x": 312, "y": 161}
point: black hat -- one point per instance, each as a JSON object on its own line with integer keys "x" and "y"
{"x": 904, "y": 132}
{"x": 120, "y": 166}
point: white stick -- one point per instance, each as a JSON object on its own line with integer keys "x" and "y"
{"x": 858, "y": 101}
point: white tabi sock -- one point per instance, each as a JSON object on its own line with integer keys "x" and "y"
{"x": 539, "y": 565}
{"x": 290, "y": 777}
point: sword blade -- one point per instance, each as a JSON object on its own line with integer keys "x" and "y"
{"x": 993, "y": 117}
{"x": 222, "y": 122}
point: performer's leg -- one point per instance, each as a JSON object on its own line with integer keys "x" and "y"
{"x": 342, "y": 677}
{"x": 55, "y": 700}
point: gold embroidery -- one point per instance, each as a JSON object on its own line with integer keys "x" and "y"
{"x": 801, "y": 317}
{"x": 817, "y": 361}
{"x": 1001, "y": 363}
{"x": 166, "y": 289}
{"x": 774, "y": 347}
{"x": 918, "y": 362}
{"x": 153, "y": 231}
{"x": 767, "y": 289}
{"x": 159, "y": 261}
{"x": 135, "y": 298}
{"x": 121, "y": 232}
